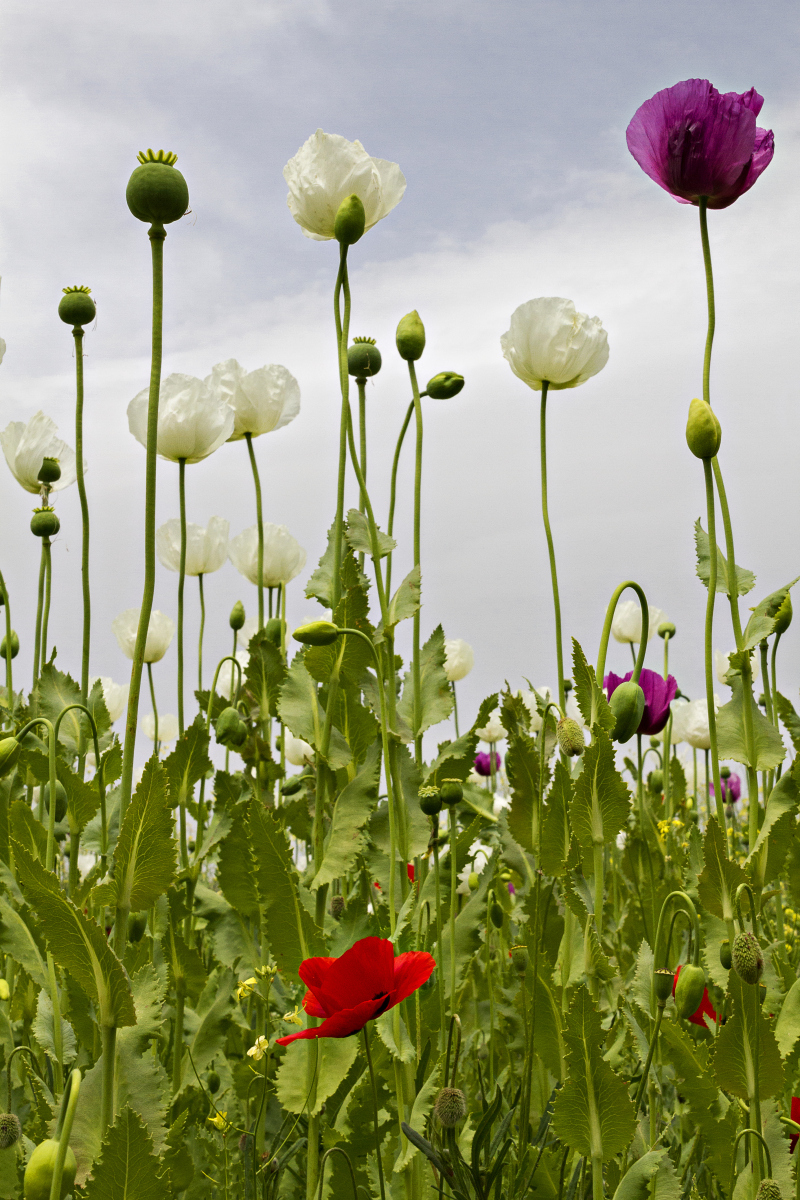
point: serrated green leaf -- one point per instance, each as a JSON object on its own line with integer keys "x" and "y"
{"x": 55, "y": 691}
{"x": 264, "y": 674}
{"x": 396, "y": 1041}
{"x": 781, "y": 802}
{"x": 356, "y": 723}
{"x": 352, "y": 811}
{"x": 734, "y": 1048}
{"x": 745, "y": 580}
{"x": 300, "y": 710}
{"x": 435, "y": 691}
{"x": 635, "y": 1183}
{"x": 769, "y": 748}
{"x": 404, "y": 603}
{"x": 523, "y": 771}
{"x": 127, "y": 1167}
{"x": 762, "y": 622}
{"x": 44, "y": 1031}
{"x": 236, "y": 866}
{"x": 420, "y": 1111}
{"x": 358, "y": 536}
{"x": 591, "y": 699}
{"x": 144, "y": 859}
{"x": 188, "y": 762}
{"x": 717, "y": 885}
{"x": 290, "y": 928}
{"x": 320, "y": 585}
{"x": 83, "y": 799}
{"x": 790, "y": 719}
{"x": 787, "y": 1027}
{"x": 18, "y": 941}
{"x": 556, "y": 832}
{"x": 593, "y": 1113}
{"x": 27, "y": 830}
{"x": 601, "y": 800}
{"x": 332, "y": 1058}
{"x": 215, "y": 1015}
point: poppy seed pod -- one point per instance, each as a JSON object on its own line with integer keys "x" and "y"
{"x": 769, "y": 1189}
{"x": 519, "y": 959}
{"x": 430, "y": 801}
{"x": 236, "y": 619}
{"x": 44, "y": 522}
{"x": 748, "y": 961}
{"x": 76, "y": 306}
{"x": 50, "y": 471}
{"x": 666, "y": 629}
{"x": 14, "y": 645}
{"x": 337, "y": 907}
{"x": 445, "y": 385}
{"x": 350, "y": 222}
{"x": 689, "y": 990}
{"x": 316, "y": 633}
{"x": 450, "y": 1107}
{"x": 137, "y": 923}
{"x": 274, "y": 628}
{"x": 725, "y": 956}
{"x": 156, "y": 191}
{"x": 656, "y": 782}
{"x": 363, "y": 358}
{"x": 662, "y": 984}
{"x": 410, "y": 337}
{"x": 570, "y": 737}
{"x": 291, "y": 786}
{"x": 61, "y": 800}
{"x": 213, "y": 1082}
{"x": 452, "y": 792}
{"x": 627, "y": 704}
{"x": 9, "y": 753}
{"x": 10, "y": 1130}
{"x": 39, "y": 1171}
{"x": 703, "y": 430}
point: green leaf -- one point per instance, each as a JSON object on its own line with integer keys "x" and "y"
{"x": 332, "y": 1058}
{"x": 735, "y": 1046}
{"x": 523, "y": 769}
{"x": 769, "y": 748}
{"x": 27, "y": 830}
{"x": 351, "y": 813}
{"x": 264, "y": 674}
{"x": 790, "y": 719}
{"x": 77, "y": 944}
{"x": 591, "y": 698}
{"x": 18, "y": 940}
{"x": 290, "y": 928}
{"x": 301, "y": 711}
{"x": 44, "y": 1030}
{"x": 127, "y": 1167}
{"x": 144, "y": 859}
{"x": 397, "y": 1042}
{"x": 745, "y": 580}
{"x": 83, "y": 799}
{"x": 357, "y": 534}
{"x": 404, "y": 603}
{"x": 601, "y": 801}
{"x": 435, "y": 691}
{"x": 349, "y": 656}
{"x": 320, "y": 585}
{"x": 782, "y": 801}
{"x": 593, "y": 1113}
{"x": 215, "y": 1012}
{"x": 787, "y": 1027}
{"x": 356, "y": 723}
{"x": 720, "y": 878}
{"x": 188, "y": 762}
{"x": 54, "y": 692}
{"x": 556, "y": 831}
{"x": 420, "y": 1112}
{"x": 762, "y": 622}
{"x": 635, "y": 1183}
{"x": 236, "y": 866}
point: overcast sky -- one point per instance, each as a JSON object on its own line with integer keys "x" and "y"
{"x": 508, "y": 119}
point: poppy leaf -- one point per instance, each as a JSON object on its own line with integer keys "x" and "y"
{"x": 769, "y": 748}
{"x": 635, "y": 1183}
{"x": 591, "y": 699}
{"x": 290, "y": 928}
{"x": 734, "y": 1048}
{"x": 787, "y": 1027}
{"x": 264, "y": 674}
{"x": 391, "y": 1029}
{"x": 127, "y": 1163}
{"x": 420, "y": 1111}
{"x": 436, "y": 702}
{"x": 745, "y": 580}
{"x": 790, "y": 719}
{"x": 358, "y": 536}
{"x": 601, "y": 800}
{"x": 332, "y": 1058}
{"x": 352, "y": 811}
{"x": 720, "y": 878}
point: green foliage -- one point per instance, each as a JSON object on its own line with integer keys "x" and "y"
{"x": 404, "y": 603}
{"x": 300, "y": 709}
{"x": 188, "y": 762}
{"x": 436, "y": 696}
{"x": 144, "y": 860}
{"x": 790, "y": 719}
{"x": 768, "y": 744}
{"x": 735, "y": 1047}
{"x": 264, "y": 674}
{"x": 127, "y": 1167}
{"x": 351, "y": 813}
{"x": 600, "y": 800}
{"x": 289, "y": 926}
{"x": 745, "y": 580}
{"x": 358, "y": 536}
{"x": 720, "y": 878}
{"x": 591, "y": 699}
{"x": 312, "y": 1070}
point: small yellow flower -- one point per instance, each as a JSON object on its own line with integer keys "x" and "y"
{"x": 293, "y": 1017}
{"x": 663, "y": 828}
{"x": 266, "y": 972}
{"x": 220, "y": 1121}
{"x": 4, "y": 992}
{"x": 245, "y": 988}
{"x": 259, "y": 1049}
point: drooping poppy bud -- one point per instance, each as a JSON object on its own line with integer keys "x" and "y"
{"x": 450, "y": 1107}
{"x": 137, "y": 923}
{"x": 363, "y": 358}
{"x": 156, "y": 191}
{"x": 39, "y": 1171}
{"x": 9, "y": 753}
{"x": 689, "y": 990}
{"x": 350, "y": 222}
{"x": 445, "y": 385}
{"x": 410, "y": 337}
{"x": 49, "y": 471}
{"x": 213, "y": 1082}
{"x": 316, "y": 633}
{"x": 496, "y": 914}
{"x": 703, "y": 430}
{"x": 274, "y": 628}
{"x": 473, "y": 881}
{"x": 61, "y": 800}
{"x": 230, "y": 728}
{"x": 748, "y": 961}
{"x": 782, "y": 614}
{"x": 570, "y": 737}
{"x": 451, "y": 792}
{"x": 292, "y": 785}
{"x": 430, "y": 800}
{"x": 725, "y": 956}
{"x": 627, "y": 704}
{"x": 44, "y": 522}
{"x": 76, "y": 306}
{"x": 236, "y": 619}
{"x": 10, "y": 1130}
{"x": 662, "y": 984}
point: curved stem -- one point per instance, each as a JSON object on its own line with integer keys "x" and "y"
{"x": 77, "y": 333}
{"x": 346, "y": 1156}
{"x": 393, "y": 490}
{"x": 712, "y": 318}
{"x": 342, "y": 320}
{"x": 651, "y": 1051}
{"x": 37, "y": 642}
{"x": 200, "y": 638}
{"x": 156, "y": 233}
{"x": 748, "y": 1133}
{"x": 601, "y": 656}
{"x": 181, "y": 582}
{"x": 366, "y": 507}
{"x": 709, "y": 641}
{"x": 548, "y": 534}
{"x": 260, "y": 525}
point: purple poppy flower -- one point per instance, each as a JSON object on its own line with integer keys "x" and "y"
{"x": 695, "y": 141}
{"x": 658, "y": 695}
{"x": 731, "y": 789}
{"x": 483, "y": 763}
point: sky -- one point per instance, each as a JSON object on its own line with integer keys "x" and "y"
{"x": 508, "y": 119}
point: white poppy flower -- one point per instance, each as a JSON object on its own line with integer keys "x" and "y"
{"x": 262, "y": 400}
{"x": 500, "y": 803}
{"x": 159, "y": 633}
{"x": 573, "y": 711}
{"x": 622, "y": 838}
{"x": 326, "y": 170}
{"x": 493, "y": 730}
{"x": 458, "y": 659}
{"x": 528, "y": 698}
{"x": 284, "y": 557}
{"x": 206, "y": 549}
{"x": 115, "y": 695}
{"x": 192, "y": 423}
{"x": 228, "y": 677}
{"x": 250, "y": 627}
{"x": 627, "y": 623}
{"x": 692, "y": 723}
{"x": 2, "y": 349}
{"x": 297, "y": 752}
{"x": 549, "y": 340}
{"x": 167, "y": 727}
{"x": 722, "y": 664}
{"x": 26, "y": 445}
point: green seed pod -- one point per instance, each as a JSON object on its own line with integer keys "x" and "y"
{"x": 213, "y": 1082}
{"x": 39, "y": 1172}
{"x": 273, "y": 629}
{"x": 627, "y": 704}
{"x": 49, "y": 471}
{"x": 666, "y": 630}
{"x": 725, "y": 956}
{"x": 337, "y": 907}
{"x": 570, "y": 737}
{"x": 452, "y": 792}
{"x": 410, "y": 337}
{"x": 656, "y": 782}
{"x": 769, "y": 1189}
{"x": 703, "y": 431}
{"x": 497, "y": 915}
{"x": 351, "y": 221}
{"x": 363, "y": 358}
{"x": 292, "y": 785}
{"x": 76, "y": 306}
{"x": 689, "y": 990}
{"x": 662, "y": 984}
{"x": 61, "y": 800}
{"x": 655, "y": 743}
{"x": 473, "y": 881}
{"x": 14, "y": 645}
{"x": 450, "y": 1107}
{"x": 137, "y": 924}
{"x": 9, "y": 753}
{"x": 519, "y": 959}
{"x": 156, "y": 191}
{"x": 748, "y": 961}
{"x": 445, "y": 385}
{"x": 236, "y": 619}
{"x": 10, "y": 1130}
{"x": 725, "y": 772}
{"x": 316, "y": 633}
{"x": 430, "y": 801}
{"x": 44, "y": 522}
{"x": 229, "y": 728}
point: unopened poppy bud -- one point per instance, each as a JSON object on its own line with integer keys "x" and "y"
{"x": 44, "y": 522}
{"x": 627, "y": 704}
{"x": 703, "y": 431}
{"x": 363, "y": 358}
{"x": 519, "y": 958}
{"x": 291, "y": 786}
{"x": 9, "y": 753}
{"x": 452, "y": 792}
{"x": 61, "y": 800}
{"x": 496, "y": 914}
{"x": 137, "y": 923}
{"x": 156, "y": 191}
{"x": 450, "y": 1107}
{"x": 230, "y": 728}
{"x": 40, "y": 1168}
{"x": 350, "y": 222}
{"x": 76, "y": 306}
{"x": 14, "y": 645}
{"x": 725, "y": 957}
{"x": 430, "y": 801}
{"x": 666, "y": 629}
{"x": 49, "y": 471}
{"x": 689, "y": 990}
{"x": 656, "y": 782}
{"x": 748, "y": 961}
{"x": 236, "y": 619}
{"x": 410, "y": 337}
{"x": 445, "y": 385}
{"x": 655, "y": 743}
{"x": 662, "y": 984}
{"x": 316, "y": 633}
{"x": 10, "y": 1130}
{"x": 213, "y": 1082}
{"x": 769, "y": 1189}
{"x": 570, "y": 737}
{"x": 473, "y": 881}
{"x": 337, "y": 907}
{"x": 274, "y": 628}
{"x": 4, "y": 990}
{"x": 782, "y": 614}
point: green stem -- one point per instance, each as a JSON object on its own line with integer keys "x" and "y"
{"x": 109, "y": 1041}
{"x": 639, "y": 780}
{"x": 260, "y": 525}
{"x": 9, "y": 669}
{"x": 438, "y": 916}
{"x": 156, "y": 233}
{"x": 177, "y": 1048}
{"x": 181, "y": 582}
{"x": 548, "y": 534}
{"x": 712, "y": 317}
{"x": 416, "y": 661}
{"x": 451, "y": 816}
{"x": 709, "y": 641}
{"x": 66, "y": 1116}
{"x": 200, "y": 639}
{"x": 393, "y": 490}
{"x": 155, "y": 706}
{"x": 375, "y": 1114}
{"x": 361, "y": 384}
{"x": 342, "y": 320}
{"x": 646, "y": 1072}
{"x": 77, "y": 333}
{"x": 57, "y": 1038}
{"x": 455, "y": 707}
{"x": 37, "y": 643}
{"x": 48, "y": 579}
{"x": 601, "y": 656}
{"x": 597, "y": 1177}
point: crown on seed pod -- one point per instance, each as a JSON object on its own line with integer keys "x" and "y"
{"x": 768, "y": 1189}
{"x": 337, "y": 906}
{"x": 748, "y": 961}
{"x": 10, "y": 1130}
{"x": 430, "y": 800}
{"x": 450, "y": 1107}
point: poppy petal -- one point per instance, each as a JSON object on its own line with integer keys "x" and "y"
{"x": 312, "y": 971}
{"x": 363, "y": 972}
{"x": 411, "y": 970}
{"x": 341, "y": 1024}
{"x": 312, "y": 1005}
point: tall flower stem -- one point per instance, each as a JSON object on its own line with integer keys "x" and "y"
{"x": 10, "y": 671}
{"x": 455, "y": 707}
{"x": 393, "y": 489}
{"x": 260, "y": 525}
{"x": 77, "y": 333}
{"x": 341, "y": 313}
{"x": 709, "y": 642}
{"x": 157, "y": 234}
{"x": 181, "y": 582}
{"x": 37, "y": 642}
{"x": 48, "y": 581}
{"x": 69, "y": 1103}
{"x": 200, "y": 638}
{"x": 453, "y": 823}
{"x": 416, "y": 665}
{"x": 375, "y": 1114}
{"x": 550, "y": 548}
{"x": 155, "y": 706}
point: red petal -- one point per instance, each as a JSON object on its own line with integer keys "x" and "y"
{"x": 410, "y": 872}
{"x": 312, "y": 971}
{"x": 312, "y": 1005}
{"x": 364, "y": 972}
{"x": 341, "y": 1024}
{"x": 411, "y": 970}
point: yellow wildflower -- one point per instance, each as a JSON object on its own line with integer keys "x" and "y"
{"x": 260, "y": 1048}
{"x": 220, "y": 1121}
{"x": 294, "y": 1017}
{"x": 245, "y": 988}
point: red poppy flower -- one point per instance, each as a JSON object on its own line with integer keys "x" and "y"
{"x": 351, "y": 990}
{"x": 794, "y": 1113}
{"x": 410, "y": 872}
{"x": 706, "y": 1008}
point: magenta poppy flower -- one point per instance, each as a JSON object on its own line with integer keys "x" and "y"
{"x": 731, "y": 789}
{"x": 695, "y": 141}
{"x": 658, "y": 695}
{"x": 483, "y": 763}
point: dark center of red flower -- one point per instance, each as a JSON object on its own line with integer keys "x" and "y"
{"x": 385, "y": 997}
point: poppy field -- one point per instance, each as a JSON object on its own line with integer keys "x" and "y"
{"x": 322, "y": 933}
